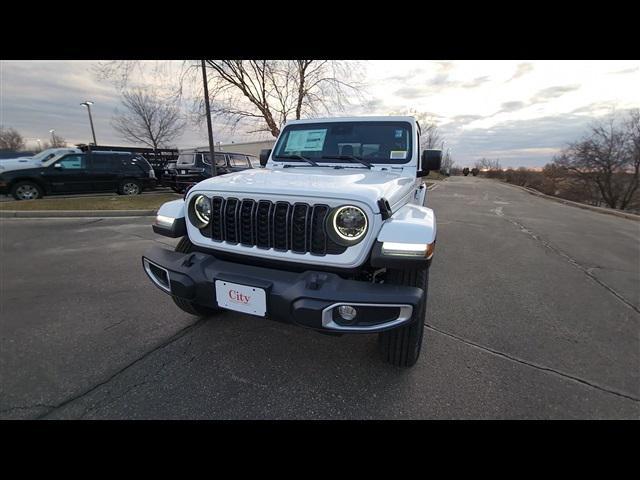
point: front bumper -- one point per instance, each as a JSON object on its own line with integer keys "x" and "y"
{"x": 309, "y": 299}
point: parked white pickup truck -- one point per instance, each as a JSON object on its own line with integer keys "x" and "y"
{"x": 331, "y": 235}
{"x": 43, "y": 158}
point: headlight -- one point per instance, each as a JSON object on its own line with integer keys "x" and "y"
{"x": 347, "y": 225}
{"x": 200, "y": 211}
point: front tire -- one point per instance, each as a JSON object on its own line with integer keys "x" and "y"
{"x": 401, "y": 346}
{"x": 185, "y": 246}
{"x": 26, "y": 191}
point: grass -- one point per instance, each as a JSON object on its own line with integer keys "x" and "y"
{"x": 119, "y": 202}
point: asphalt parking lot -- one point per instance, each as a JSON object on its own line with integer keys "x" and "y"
{"x": 533, "y": 312}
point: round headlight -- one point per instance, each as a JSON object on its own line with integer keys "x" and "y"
{"x": 349, "y": 224}
{"x": 201, "y": 211}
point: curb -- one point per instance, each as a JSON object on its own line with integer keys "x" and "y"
{"x": 608, "y": 211}
{"x": 75, "y": 213}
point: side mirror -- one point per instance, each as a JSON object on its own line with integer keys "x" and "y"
{"x": 264, "y": 157}
{"x": 431, "y": 160}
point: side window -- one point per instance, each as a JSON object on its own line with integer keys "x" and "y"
{"x": 238, "y": 160}
{"x": 104, "y": 163}
{"x": 73, "y": 162}
{"x": 220, "y": 160}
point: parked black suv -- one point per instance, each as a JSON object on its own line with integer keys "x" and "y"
{"x": 193, "y": 165}
{"x": 168, "y": 178}
{"x": 122, "y": 172}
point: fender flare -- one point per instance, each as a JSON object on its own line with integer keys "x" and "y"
{"x": 170, "y": 219}
{"x": 412, "y": 224}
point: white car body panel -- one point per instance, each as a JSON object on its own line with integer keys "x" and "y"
{"x": 351, "y": 184}
{"x": 410, "y": 224}
{"x": 172, "y": 209}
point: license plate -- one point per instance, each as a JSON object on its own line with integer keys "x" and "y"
{"x": 241, "y": 298}
{"x": 184, "y": 172}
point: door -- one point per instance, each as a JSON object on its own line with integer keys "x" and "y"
{"x": 104, "y": 171}
{"x": 68, "y": 175}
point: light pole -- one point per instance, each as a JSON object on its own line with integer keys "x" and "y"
{"x": 53, "y": 138}
{"x": 88, "y": 105}
{"x": 207, "y": 110}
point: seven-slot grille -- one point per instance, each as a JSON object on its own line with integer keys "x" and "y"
{"x": 283, "y": 226}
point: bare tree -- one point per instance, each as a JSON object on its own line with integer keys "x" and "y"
{"x": 267, "y": 93}
{"x": 57, "y": 141}
{"x": 487, "y": 164}
{"x": 148, "y": 119}
{"x": 10, "y": 139}
{"x": 609, "y": 158}
{"x": 430, "y": 136}
{"x": 260, "y": 94}
{"x": 447, "y": 163}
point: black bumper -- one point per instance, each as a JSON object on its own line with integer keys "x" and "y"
{"x": 307, "y": 299}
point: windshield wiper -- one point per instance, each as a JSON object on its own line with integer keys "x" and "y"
{"x": 351, "y": 158}
{"x": 297, "y": 157}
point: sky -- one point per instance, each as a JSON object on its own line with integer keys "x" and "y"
{"x": 520, "y": 112}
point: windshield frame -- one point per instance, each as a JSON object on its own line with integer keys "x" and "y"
{"x": 320, "y": 125}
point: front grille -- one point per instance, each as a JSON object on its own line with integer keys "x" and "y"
{"x": 283, "y": 226}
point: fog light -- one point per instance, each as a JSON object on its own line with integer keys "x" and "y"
{"x": 347, "y": 312}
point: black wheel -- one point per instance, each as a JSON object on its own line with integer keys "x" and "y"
{"x": 26, "y": 191}
{"x": 401, "y": 346}
{"x": 185, "y": 246}
{"x": 130, "y": 187}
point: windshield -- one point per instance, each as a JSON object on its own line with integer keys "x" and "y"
{"x": 374, "y": 142}
{"x": 46, "y": 154}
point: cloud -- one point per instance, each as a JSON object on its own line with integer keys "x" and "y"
{"x": 512, "y": 106}
{"x": 521, "y": 70}
{"x": 595, "y": 108}
{"x": 445, "y": 66}
{"x": 625, "y": 71}
{"x": 467, "y": 118}
{"x": 476, "y": 82}
{"x": 403, "y": 77}
{"x": 547, "y": 94}
{"x": 410, "y": 92}
{"x": 516, "y": 143}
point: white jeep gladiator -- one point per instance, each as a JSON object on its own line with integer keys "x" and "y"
{"x": 331, "y": 235}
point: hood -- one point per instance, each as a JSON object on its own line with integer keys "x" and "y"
{"x": 363, "y": 185}
{"x": 18, "y": 164}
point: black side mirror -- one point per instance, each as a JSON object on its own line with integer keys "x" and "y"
{"x": 431, "y": 160}
{"x": 264, "y": 157}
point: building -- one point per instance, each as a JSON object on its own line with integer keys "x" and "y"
{"x": 250, "y": 148}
